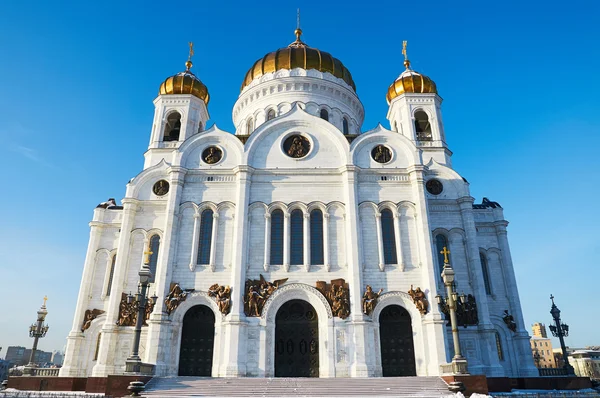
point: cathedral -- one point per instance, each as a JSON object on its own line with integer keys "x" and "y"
{"x": 299, "y": 245}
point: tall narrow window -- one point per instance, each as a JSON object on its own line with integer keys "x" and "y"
{"x": 422, "y": 126}
{"x": 277, "y": 237}
{"x": 173, "y": 127}
{"x": 271, "y": 114}
{"x": 324, "y": 114}
{"x": 499, "y": 347}
{"x": 389, "y": 239}
{"x": 345, "y": 128}
{"x": 154, "y": 246}
{"x": 296, "y": 238}
{"x": 200, "y": 127}
{"x": 440, "y": 242}
{"x": 486, "y": 275}
{"x": 111, "y": 275}
{"x": 249, "y": 127}
{"x": 316, "y": 237}
{"x": 206, "y": 223}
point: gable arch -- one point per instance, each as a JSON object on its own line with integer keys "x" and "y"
{"x": 190, "y": 151}
{"x": 140, "y": 187}
{"x": 405, "y": 153}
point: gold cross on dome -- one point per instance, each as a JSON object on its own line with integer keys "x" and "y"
{"x": 445, "y": 252}
{"x": 45, "y": 299}
{"x": 191, "y": 44}
{"x": 404, "y": 43}
{"x": 148, "y": 254}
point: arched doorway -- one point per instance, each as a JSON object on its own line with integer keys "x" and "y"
{"x": 197, "y": 339}
{"x": 397, "y": 348}
{"x": 296, "y": 340}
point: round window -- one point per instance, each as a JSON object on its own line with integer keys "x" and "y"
{"x": 434, "y": 187}
{"x": 381, "y": 154}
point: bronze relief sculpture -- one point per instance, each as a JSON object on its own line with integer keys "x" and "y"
{"x": 175, "y": 297}
{"x": 128, "y": 311}
{"x": 337, "y": 294}
{"x": 212, "y": 155}
{"x": 258, "y": 292}
{"x": 296, "y": 146}
{"x": 419, "y": 298}
{"x": 160, "y": 188}
{"x": 222, "y": 294}
{"x": 369, "y": 300}
{"x": 510, "y": 321}
{"x": 89, "y": 316}
{"x": 381, "y": 154}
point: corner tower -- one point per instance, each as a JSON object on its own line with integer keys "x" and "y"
{"x": 180, "y": 111}
{"x": 415, "y": 112}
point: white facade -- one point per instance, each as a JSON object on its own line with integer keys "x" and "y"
{"x": 339, "y": 176}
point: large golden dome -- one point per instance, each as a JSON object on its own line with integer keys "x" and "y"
{"x": 298, "y": 55}
{"x": 185, "y": 83}
{"x": 410, "y": 81}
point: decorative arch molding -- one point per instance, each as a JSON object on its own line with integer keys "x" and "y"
{"x": 388, "y": 205}
{"x": 380, "y": 135}
{"x": 147, "y": 234}
{"x": 396, "y": 298}
{"x": 332, "y": 205}
{"x": 193, "y": 299}
{"x": 506, "y": 339}
{"x": 206, "y": 206}
{"x": 258, "y": 205}
{"x": 317, "y": 206}
{"x": 297, "y": 205}
{"x": 137, "y": 183}
{"x": 277, "y": 206}
{"x": 296, "y": 291}
{"x": 226, "y": 205}
{"x": 213, "y": 135}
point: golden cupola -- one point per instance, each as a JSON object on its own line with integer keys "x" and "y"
{"x": 185, "y": 83}
{"x": 410, "y": 81}
{"x": 298, "y": 55}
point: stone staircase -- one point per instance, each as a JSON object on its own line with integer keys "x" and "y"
{"x": 424, "y": 387}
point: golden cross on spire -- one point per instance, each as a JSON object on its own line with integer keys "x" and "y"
{"x": 406, "y": 61}
{"x": 188, "y": 64}
{"x": 147, "y": 255}
{"x": 445, "y": 252}
{"x": 298, "y": 31}
{"x": 45, "y": 299}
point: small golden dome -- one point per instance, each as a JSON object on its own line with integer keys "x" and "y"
{"x": 298, "y": 55}
{"x": 410, "y": 81}
{"x": 185, "y": 82}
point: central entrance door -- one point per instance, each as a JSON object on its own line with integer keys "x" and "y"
{"x": 296, "y": 340}
{"x": 197, "y": 338}
{"x": 397, "y": 349}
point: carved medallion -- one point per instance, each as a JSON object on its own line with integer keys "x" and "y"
{"x": 160, "y": 188}
{"x": 418, "y": 297}
{"x": 222, "y": 294}
{"x": 258, "y": 292}
{"x": 381, "y": 154}
{"x": 296, "y": 146}
{"x": 175, "y": 297}
{"x": 89, "y": 316}
{"x": 337, "y": 294}
{"x": 369, "y": 300}
{"x": 212, "y": 155}
{"x": 434, "y": 187}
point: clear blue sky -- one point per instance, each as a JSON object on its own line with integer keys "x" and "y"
{"x": 521, "y": 111}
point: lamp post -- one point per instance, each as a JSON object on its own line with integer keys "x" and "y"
{"x": 37, "y": 330}
{"x": 459, "y": 363}
{"x": 561, "y": 330}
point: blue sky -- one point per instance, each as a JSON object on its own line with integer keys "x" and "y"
{"x": 521, "y": 114}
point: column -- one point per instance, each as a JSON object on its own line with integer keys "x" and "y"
{"x": 485, "y": 328}
{"x": 213, "y": 240}
{"x": 72, "y": 366}
{"x": 105, "y": 364}
{"x": 267, "y": 241}
{"x": 526, "y": 366}
{"x": 286, "y": 241}
{"x": 234, "y": 327}
{"x": 306, "y": 235}
{"x": 398, "y": 238}
{"x": 326, "y": 260}
{"x": 195, "y": 242}
{"x": 379, "y": 241}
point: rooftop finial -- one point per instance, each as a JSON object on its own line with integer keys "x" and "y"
{"x": 406, "y": 61}
{"x": 188, "y": 63}
{"x": 45, "y": 299}
{"x": 298, "y": 31}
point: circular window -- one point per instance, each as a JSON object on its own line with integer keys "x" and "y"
{"x": 212, "y": 155}
{"x": 296, "y": 146}
{"x": 381, "y": 154}
{"x": 434, "y": 187}
{"x": 160, "y": 188}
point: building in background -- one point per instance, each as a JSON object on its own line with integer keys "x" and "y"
{"x": 541, "y": 347}
{"x": 57, "y": 358}
{"x": 17, "y": 356}
{"x": 4, "y": 365}
{"x": 586, "y": 362}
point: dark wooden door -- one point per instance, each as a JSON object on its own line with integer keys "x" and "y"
{"x": 397, "y": 349}
{"x": 197, "y": 340}
{"x": 296, "y": 340}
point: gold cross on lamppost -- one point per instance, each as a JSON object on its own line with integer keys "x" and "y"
{"x": 45, "y": 299}
{"x": 148, "y": 254}
{"x": 445, "y": 252}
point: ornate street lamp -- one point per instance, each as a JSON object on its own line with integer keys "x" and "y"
{"x": 37, "y": 330}
{"x": 561, "y": 330}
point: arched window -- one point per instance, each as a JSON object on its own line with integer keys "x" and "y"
{"x": 345, "y": 128}
{"x": 440, "y": 242}
{"x": 499, "y": 347}
{"x": 324, "y": 114}
{"x": 271, "y": 114}
{"x": 206, "y": 223}
{"x": 486, "y": 275}
{"x": 200, "y": 127}
{"x": 389, "y": 239}
{"x": 154, "y": 246}
{"x": 316, "y": 237}
{"x": 277, "y": 237}
{"x": 249, "y": 127}
{"x": 111, "y": 275}
{"x": 173, "y": 127}
{"x": 422, "y": 126}
{"x": 296, "y": 237}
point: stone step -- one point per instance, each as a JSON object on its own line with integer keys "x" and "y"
{"x": 297, "y": 387}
